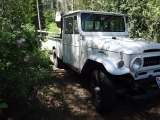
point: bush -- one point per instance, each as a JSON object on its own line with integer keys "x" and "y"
{"x": 23, "y": 63}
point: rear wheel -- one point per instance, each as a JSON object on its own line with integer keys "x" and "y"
{"x": 54, "y": 58}
{"x": 103, "y": 95}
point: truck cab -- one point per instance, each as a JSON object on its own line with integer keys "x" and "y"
{"x": 80, "y": 26}
{"x": 97, "y": 44}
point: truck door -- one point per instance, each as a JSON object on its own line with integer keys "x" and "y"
{"x": 71, "y": 41}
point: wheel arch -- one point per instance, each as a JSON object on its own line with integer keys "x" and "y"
{"x": 110, "y": 64}
{"x": 91, "y": 65}
{"x": 116, "y": 80}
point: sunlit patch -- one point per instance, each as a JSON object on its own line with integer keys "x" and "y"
{"x": 155, "y": 111}
{"x": 50, "y": 96}
{"x": 78, "y": 99}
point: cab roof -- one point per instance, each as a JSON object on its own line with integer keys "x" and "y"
{"x": 92, "y": 12}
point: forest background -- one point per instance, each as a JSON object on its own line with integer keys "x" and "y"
{"x": 23, "y": 65}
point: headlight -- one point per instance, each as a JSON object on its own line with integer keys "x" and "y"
{"x": 136, "y": 64}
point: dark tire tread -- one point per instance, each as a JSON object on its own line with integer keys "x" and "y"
{"x": 107, "y": 92}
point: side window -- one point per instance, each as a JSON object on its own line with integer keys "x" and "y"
{"x": 68, "y": 25}
{"x": 75, "y": 25}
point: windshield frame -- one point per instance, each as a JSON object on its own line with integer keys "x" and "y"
{"x": 106, "y": 16}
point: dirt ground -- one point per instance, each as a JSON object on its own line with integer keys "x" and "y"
{"x": 73, "y": 102}
{"x": 69, "y": 99}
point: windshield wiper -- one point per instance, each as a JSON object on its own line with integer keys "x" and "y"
{"x": 88, "y": 16}
{"x": 111, "y": 17}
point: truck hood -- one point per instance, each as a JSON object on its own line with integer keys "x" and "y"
{"x": 127, "y": 45}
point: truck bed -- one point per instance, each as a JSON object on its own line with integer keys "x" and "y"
{"x": 52, "y": 43}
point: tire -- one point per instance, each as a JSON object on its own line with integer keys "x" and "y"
{"x": 54, "y": 58}
{"x": 103, "y": 94}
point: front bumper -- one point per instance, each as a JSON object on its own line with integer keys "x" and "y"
{"x": 138, "y": 89}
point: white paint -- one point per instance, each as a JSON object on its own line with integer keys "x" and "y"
{"x": 76, "y": 49}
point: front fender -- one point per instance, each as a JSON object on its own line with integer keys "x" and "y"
{"x": 109, "y": 64}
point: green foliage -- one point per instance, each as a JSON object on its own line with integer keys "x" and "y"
{"x": 35, "y": 16}
{"x": 23, "y": 65}
{"x": 49, "y": 13}
{"x": 3, "y": 105}
{"x": 52, "y": 27}
{"x": 18, "y": 12}
{"x": 144, "y": 14}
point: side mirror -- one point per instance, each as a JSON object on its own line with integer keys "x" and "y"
{"x": 131, "y": 25}
{"x": 59, "y": 25}
{"x": 133, "y": 28}
{"x": 128, "y": 19}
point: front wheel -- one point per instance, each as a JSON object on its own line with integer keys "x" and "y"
{"x": 54, "y": 58}
{"x": 103, "y": 95}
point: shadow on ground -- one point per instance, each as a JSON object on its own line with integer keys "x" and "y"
{"x": 68, "y": 98}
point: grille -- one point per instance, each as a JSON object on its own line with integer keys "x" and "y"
{"x": 152, "y": 50}
{"x": 150, "y": 61}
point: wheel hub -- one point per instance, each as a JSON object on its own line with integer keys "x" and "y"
{"x": 97, "y": 96}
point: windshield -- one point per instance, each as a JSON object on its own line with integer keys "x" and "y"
{"x": 102, "y": 23}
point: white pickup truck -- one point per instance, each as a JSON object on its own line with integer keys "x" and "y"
{"x": 97, "y": 45}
